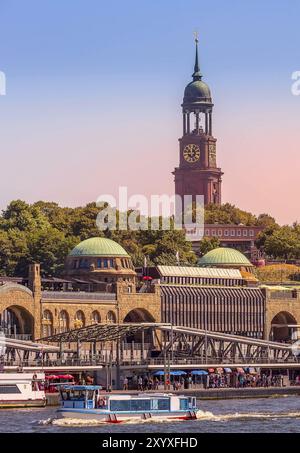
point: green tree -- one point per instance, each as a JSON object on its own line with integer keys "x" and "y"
{"x": 283, "y": 243}
{"x": 208, "y": 244}
{"x": 50, "y": 247}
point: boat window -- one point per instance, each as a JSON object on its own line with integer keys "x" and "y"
{"x": 90, "y": 395}
{"x": 9, "y": 389}
{"x": 154, "y": 405}
{"x": 130, "y": 405}
{"x": 140, "y": 405}
{"x": 184, "y": 404}
{"x": 163, "y": 404}
{"x": 192, "y": 402}
{"x": 120, "y": 405}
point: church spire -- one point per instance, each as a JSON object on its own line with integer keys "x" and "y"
{"x": 197, "y": 74}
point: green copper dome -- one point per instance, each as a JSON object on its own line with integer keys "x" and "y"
{"x": 98, "y": 247}
{"x": 197, "y": 91}
{"x": 224, "y": 256}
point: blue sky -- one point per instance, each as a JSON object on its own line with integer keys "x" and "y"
{"x": 94, "y": 91}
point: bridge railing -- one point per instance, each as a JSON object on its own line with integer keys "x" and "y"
{"x": 159, "y": 361}
{"x": 19, "y": 336}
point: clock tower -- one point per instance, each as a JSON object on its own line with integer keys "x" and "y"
{"x": 198, "y": 173}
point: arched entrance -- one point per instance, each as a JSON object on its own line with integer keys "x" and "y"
{"x": 139, "y": 315}
{"x": 136, "y": 316}
{"x": 283, "y": 327}
{"x": 17, "y": 321}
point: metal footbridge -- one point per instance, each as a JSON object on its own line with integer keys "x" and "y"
{"x": 179, "y": 346}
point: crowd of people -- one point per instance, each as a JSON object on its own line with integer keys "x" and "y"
{"x": 234, "y": 379}
{"x": 242, "y": 380}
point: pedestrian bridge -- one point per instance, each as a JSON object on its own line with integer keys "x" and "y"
{"x": 175, "y": 346}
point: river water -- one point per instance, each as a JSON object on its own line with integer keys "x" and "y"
{"x": 239, "y": 415}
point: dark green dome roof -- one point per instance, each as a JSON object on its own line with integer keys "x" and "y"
{"x": 98, "y": 247}
{"x": 224, "y": 256}
{"x": 197, "y": 91}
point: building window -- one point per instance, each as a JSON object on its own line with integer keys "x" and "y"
{"x": 213, "y": 233}
{"x": 83, "y": 263}
{"x": 226, "y": 233}
{"x": 207, "y": 232}
{"x": 220, "y": 233}
{"x": 96, "y": 318}
{"x": 99, "y": 263}
{"x": 63, "y": 321}
{"x": 239, "y": 233}
{"x": 232, "y": 233}
{"x": 111, "y": 317}
{"x": 251, "y": 233}
{"x": 79, "y": 319}
{"x": 245, "y": 232}
{"x": 47, "y": 323}
{"x": 105, "y": 262}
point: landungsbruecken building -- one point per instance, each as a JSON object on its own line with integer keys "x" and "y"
{"x": 99, "y": 284}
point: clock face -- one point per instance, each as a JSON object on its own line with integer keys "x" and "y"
{"x": 191, "y": 153}
{"x": 212, "y": 155}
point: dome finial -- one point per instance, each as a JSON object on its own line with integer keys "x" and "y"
{"x": 197, "y": 74}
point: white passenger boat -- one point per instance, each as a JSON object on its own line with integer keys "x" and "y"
{"x": 22, "y": 390}
{"x": 87, "y": 402}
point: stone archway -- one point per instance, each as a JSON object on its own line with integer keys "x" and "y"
{"x": 138, "y": 315}
{"x": 16, "y": 320}
{"x": 282, "y": 327}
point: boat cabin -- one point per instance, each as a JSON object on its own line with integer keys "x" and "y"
{"x": 89, "y": 397}
{"x": 82, "y": 397}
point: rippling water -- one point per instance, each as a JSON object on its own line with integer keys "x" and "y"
{"x": 243, "y": 415}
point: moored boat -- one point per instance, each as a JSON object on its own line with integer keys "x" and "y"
{"x": 22, "y": 390}
{"x": 87, "y": 402}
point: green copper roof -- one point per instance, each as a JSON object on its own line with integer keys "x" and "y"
{"x": 197, "y": 91}
{"x": 98, "y": 247}
{"x": 224, "y": 256}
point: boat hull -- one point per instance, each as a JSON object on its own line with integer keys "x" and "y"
{"x": 117, "y": 417}
{"x": 22, "y": 403}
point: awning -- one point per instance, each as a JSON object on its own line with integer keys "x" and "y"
{"x": 158, "y": 373}
{"x": 51, "y": 377}
{"x": 228, "y": 370}
{"x": 211, "y": 370}
{"x": 172, "y": 373}
{"x": 219, "y": 370}
{"x": 240, "y": 370}
{"x": 65, "y": 376}
{"x": 250, "y": 370}
{"x": 199, "y": 373}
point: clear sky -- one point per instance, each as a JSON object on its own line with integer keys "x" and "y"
{"x": 94, "y": 91}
